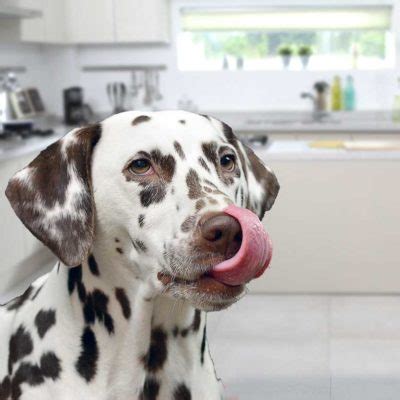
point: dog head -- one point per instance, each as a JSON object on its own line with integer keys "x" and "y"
{"x": 154, "y": 186}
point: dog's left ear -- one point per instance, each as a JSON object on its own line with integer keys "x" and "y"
{"x": 263, "y": 184}
{"x": 53, "y": 195}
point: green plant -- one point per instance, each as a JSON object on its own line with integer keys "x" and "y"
{"x": 285, "y": 50}
{"x": 305, "y": 51}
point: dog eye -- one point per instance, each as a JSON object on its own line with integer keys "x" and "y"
{"x": 140, "y": 166}
{"x": 228, "y": 162}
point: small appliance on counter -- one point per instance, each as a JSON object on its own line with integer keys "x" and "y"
{"x": 76, "y": 112}
{"x": 18, "y": 106}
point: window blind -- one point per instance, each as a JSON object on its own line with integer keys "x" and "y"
{"x": 287, "y": 19}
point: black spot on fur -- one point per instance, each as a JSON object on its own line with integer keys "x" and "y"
{"x": 139, "y": 246}
{"x": 96, "y": 306}
{"x": 50, "y": 365}
{"x": 44, "y": 320}
{"x": 150, "y": 390}
{"x": 19, "y": 301}
{"x": 179, "y": 150}
{"x": 203, "y": 345}
{"x": 20, "y": 346}
{"x": 182, "y": 392}
{"x": 141, "y": 220}
{"x": 5, "y": 388}
{"x": 196, "y": 320}
{"x": 175, "y": 331}
{"x": 140, "y": 119}
{"x": 75, "y": 281}
{"x": 119, "y": 250}
{"x": 124, "y": 302}
{"x": 157, "y": 353}
{"x": 94, "y": 269}
{"x": 182, "y": 121}
{"x": 87, "y": 361}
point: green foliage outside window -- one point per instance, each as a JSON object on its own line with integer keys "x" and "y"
{"x": 258, "y": 45}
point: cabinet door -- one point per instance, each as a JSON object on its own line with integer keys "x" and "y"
{"x": 90, "y": 21}
{"x": 142, "y": 21}
{"x": 50, "y": 27}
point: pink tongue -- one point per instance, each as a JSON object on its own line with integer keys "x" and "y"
{"x": 254, "y": 254}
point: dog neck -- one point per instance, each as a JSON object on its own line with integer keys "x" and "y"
{"x": 151, "y": 343}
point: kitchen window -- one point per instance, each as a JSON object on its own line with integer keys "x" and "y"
{"x": 338, "y": 38}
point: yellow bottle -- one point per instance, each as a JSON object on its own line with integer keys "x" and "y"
{"x": 336, "y": 94}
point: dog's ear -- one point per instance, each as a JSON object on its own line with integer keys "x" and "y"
{"x": 263, "y": 186}
{"x": 262, "y": 183}
{"x": 53, "y": 195}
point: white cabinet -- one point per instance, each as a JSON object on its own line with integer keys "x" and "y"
{"x": 90, "y": 21}
{"x": 97, "y": 21}
{"x": 141, "y": 21}
{"x": 50, "y": 27}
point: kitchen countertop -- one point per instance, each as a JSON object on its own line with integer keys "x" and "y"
{"x": 295, "y": 150}
{"x": 298, "y": 121}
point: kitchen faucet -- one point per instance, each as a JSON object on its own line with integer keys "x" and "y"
{"x": 319, "y": 100}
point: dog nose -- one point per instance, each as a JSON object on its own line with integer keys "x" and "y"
{"x": 221, "y": 234}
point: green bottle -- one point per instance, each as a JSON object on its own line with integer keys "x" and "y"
{"x": 336, "y": 94}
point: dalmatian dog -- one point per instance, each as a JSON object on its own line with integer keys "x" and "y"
{"x": 155, "y": 220}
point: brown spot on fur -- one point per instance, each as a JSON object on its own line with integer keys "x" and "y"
{"x": 179, "y": 150}
{"x": 166, "y": 164}
{"x": 204, "y": 164}
{"x": 212, "y": 201}
{"x": 188, "y": 223}
{"x": 141, "y": 118}
{"x": 210, "y": 152}
{"x": 200, "y": 204}
{"x": 193, "y": 183}
{"x": 152, "y": 193}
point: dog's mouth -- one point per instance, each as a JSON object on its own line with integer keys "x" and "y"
{"x": 205, "y": 291}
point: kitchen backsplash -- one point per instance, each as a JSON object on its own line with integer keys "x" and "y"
{"x": 52, "y": 68}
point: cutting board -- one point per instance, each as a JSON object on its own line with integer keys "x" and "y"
{"x": 361, "y": 145}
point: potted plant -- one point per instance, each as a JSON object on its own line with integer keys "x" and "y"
{"x": 286, "y": 52}
{"x": 305, "y": 52}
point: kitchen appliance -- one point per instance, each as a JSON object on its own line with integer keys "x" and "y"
{"x": 75, "y": 111}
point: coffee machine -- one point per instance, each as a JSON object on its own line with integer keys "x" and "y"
{"x": 75, "y": 111}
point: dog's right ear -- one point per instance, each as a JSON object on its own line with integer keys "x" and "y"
{"x": 53, "y": 195}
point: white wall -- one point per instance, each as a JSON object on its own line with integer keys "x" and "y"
{"x": 53, "y": 68}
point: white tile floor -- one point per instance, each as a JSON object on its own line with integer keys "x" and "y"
{"x": 309, "y": 347}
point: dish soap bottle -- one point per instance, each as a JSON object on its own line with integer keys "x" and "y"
{"x": 336, "y": 94}
{"x": 396, "y": 103}
{"x": 349, "y": 94}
